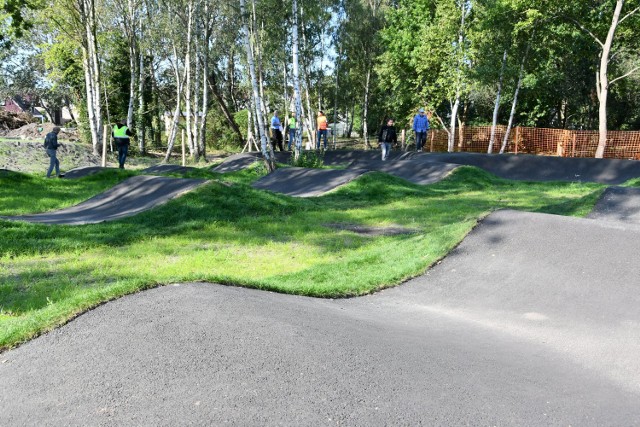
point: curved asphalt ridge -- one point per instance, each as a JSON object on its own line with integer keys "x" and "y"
{"x": 303, "y": 182}
{"x": 236, "y": 162}
{"x": 84, "y": 171}
{"x": 532, "y": 320}
{"x": 159, "y": 169}
{"x": 546, "y": 168}
{"x": 618, "y": 204}
{"x": 128, "y": 198}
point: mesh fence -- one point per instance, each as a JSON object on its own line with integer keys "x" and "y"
{"x": 554, "y": 142}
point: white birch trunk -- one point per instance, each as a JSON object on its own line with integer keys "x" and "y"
{"x": 365, "y": 110}
{"x": 176, "y": 114}
{"x": 310, "y": 116}
{"x": 92, "y": 71}
{"x": 514, "y": 104}
{"x": 451, "y": 135}
{"x": 296, "y": 81}
{"x": 496, "y": 108}
{"x": 602, "y": 81}
{"x": 187, "y": 83}
{"x": 267, "y": 151}
{"x": 202, "y": 145}
{"x": 141, "y": 105}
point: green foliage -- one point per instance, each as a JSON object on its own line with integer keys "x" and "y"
{"x": 308, "y": 159}
{"x": 220, "y": 136}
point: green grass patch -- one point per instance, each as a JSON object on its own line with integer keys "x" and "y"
{"x": 228, "y": 232}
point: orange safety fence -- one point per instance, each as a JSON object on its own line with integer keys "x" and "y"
{"x": 552, "y": 142}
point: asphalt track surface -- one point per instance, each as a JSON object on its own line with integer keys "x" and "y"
{"x": 84, "y": 171}
{"x": 160, "y": 169}
{"x": 618, "y": 204}
{"x": 546, "y": 168}
{"x": 532, "y": 320}
{"x": 128, "y": 198}
{"x": 302, "y": 182}
{"x": 236, "y": 162}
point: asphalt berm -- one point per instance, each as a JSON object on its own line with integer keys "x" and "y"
{"x": 618, "y": 204}
{"x": 128, "y": 198}
{"x": 177, "y": 169}
{"x": 532, "y": 320}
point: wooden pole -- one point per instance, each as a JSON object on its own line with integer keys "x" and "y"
{"x": 105, "y": 134}
{"x": 517, "y": 138}
{"x": 433, "y": 135}
{"x": 184, "y": 157}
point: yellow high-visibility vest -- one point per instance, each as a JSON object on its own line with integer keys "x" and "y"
{"x": 120, "y": 132}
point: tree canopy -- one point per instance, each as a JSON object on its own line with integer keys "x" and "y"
{"x": 166, "y": 65}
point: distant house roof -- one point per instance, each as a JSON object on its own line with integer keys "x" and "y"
{"x": 18, "y": 104}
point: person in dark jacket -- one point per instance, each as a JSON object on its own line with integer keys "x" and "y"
{"x": 121, "y": 135}
{"x": 51, "y": 146}
{"x": 386, "y": 137}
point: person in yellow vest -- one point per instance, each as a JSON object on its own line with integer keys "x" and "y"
{"x": 322, "y": 130}
{"x": 121, "y": 135}
{"x": 292, "y": 131}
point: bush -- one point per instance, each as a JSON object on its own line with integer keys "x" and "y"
{"x": 308, "y": 159}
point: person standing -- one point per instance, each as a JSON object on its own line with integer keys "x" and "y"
{"x": 322, "y": 130}
{"x": 386, "y": 137}
{"x": 420, "y": 128}
{"x": 292, "y": 131}
{"x": 276, "y": 131}
{"x": 51, "y": 146}
{"x": 121, "y": 135}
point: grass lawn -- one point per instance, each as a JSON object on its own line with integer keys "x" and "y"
{"x": 234, "y": 234}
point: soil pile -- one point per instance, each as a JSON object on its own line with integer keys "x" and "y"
{"x": 10, "y": 120}
{"x": 39, "y": 130}
{"x": 30, "y": 157}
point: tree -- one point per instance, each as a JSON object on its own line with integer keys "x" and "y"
{"x": 606, "y": 53}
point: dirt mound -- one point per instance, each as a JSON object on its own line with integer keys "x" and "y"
{"x": 24, "y": 156}
{"x": 39, "y": 130}
{"x": 10, "y": 120}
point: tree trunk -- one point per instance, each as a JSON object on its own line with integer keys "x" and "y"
{"x": 296, "y": 80}
{"x": 187, "y": 84}
{"x": 602, "y": 81}
{"x": 507, "y": 132}
{"x": 213, "y": 85}
{"x": 496, "y": 108}
{"x": 176, "y": 114}
{"x": 140, "y": 134}
{"x": 267, "y": 151}
{"x": 451, "y": 136}
{"x": 365, "y": 110}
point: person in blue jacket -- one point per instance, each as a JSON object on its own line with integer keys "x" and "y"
{"x": 420, "y": 128}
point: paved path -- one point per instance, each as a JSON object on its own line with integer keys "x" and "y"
{"x": 532, "y": 320}
{"x": 130, "y": 197}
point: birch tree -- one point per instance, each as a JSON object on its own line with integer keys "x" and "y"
{"x": 267, "y": 151}
{"x": 607, "y": 49}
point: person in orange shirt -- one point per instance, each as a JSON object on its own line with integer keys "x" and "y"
{"x": 322, "y": 130}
